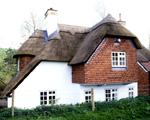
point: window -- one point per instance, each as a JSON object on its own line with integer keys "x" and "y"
{"x": 87, "y": 96}
{"x": 118, "y": 59}
{"x": 131, "y": 95}
{"x": 111, "y": 94}
{"x": 47, "y": 97}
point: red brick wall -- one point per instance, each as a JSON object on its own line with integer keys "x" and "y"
{"x": 143, "y": 81}
{"x": 99, "y": 68}
{"x": 23, "y": 61}
{"x": 78, "y": 74}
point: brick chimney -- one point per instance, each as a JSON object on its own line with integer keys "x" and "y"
{"x": 50, "y": 22}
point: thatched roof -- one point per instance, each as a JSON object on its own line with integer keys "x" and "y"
{"x": 143, "y": 55}
{"x": 108, "y": 27}
{"x": 72, "y": 44}
{"x": 54, "y": 50}
{"x": 33, "y": 45}
{"x": 36, "y": 41}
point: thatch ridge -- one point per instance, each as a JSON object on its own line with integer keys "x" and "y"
{"x": 94, "y": 38}
{"x": 72, "y": 28}
{"x": 107, "y": 19}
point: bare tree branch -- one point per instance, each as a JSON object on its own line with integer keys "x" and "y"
{"x": 30, "y": 25}
{"x": 101, "y": 8}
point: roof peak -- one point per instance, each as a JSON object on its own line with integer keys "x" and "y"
{"x": 108, "y": 19}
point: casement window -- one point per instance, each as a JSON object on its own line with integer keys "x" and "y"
{"x": 111, "y": 94}
{"x": 131, "y": 92}
{"x": 118, "y": 59}
{"x": 87, "y": 96}
{"x": 47, "y": 97}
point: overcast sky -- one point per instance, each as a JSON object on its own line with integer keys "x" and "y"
{"x": 74, "y": 12}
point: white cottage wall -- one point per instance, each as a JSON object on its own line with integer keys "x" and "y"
{"x": 45, "y": 77}
{"x": 99, "y": 91}
{"x": 57, "y": 76}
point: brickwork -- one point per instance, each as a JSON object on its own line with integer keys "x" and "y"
{"x": 99, "y": 67}
{"x": 143, "y": 81}
{"x": 78, "y": 74}
{"x": 23, "y": 61}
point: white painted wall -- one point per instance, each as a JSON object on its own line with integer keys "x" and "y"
{"x": 58, "y": 76}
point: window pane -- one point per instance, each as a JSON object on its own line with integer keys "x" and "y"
{"x": 41, "y": 102}
{"x": 45, "y": 98}
{"x": 53, "y": 97}
{"x": 108, "y": 95}
{"x": 41, "y": 93}
{"x": 50, "y": 97}
{"x": 45, "y": 102}
{"x": 107, "y": 91}
{"x": 45, "y": 93}
{"x": 90, "y": 97}
{"x": 41, "y": 98}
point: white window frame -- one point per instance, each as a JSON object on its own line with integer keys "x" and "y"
{"x": 111, "y": 94}
{"x": 131, "y": 92}
{"x": 47, "y": 97}
{"x": 119, "y": 60}
{"x": 88, "y": 96}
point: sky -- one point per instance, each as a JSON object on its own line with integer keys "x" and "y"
{"x": 73, "y": 12}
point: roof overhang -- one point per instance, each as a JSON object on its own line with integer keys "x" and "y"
{"x": 105, "y": 84}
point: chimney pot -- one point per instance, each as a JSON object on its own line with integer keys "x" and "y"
{"x": 120, "y": 17}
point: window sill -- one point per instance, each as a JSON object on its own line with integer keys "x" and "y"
{"x": 119, "y": 68}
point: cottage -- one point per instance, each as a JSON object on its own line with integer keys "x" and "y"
{"x": 63, "y": 62}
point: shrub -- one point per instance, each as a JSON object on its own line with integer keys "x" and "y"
{"x": 143, "y": 98}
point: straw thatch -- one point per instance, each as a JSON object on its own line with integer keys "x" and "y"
{"x": 143, "y": 55}
{"x": 37, "y": 39}
{"x": 53, "y": 50}
{"x": 72, "y": 29}
{"x": 33, "y": 45}
{"x": 94, "y": 38}
{"x": 72, "y": 44}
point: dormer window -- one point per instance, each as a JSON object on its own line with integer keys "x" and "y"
{"x": 118, "y": 59}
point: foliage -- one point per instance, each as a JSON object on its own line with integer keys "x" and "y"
{"x": 124, "y": 109}
{"x": 8, "y": 66}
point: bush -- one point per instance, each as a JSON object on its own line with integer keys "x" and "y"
{"x": 143, "y": 98}
{"x": 127, "y": 108}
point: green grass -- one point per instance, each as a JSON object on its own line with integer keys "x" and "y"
{"x": 125, "y": 109}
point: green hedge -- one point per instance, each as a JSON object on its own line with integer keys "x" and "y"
{"x": 127, "y": 108}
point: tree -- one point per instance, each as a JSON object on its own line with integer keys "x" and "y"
{"x": 8, "y": 66}
{"x": 101, "y": 9}
{"x": 30, "y": 25}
